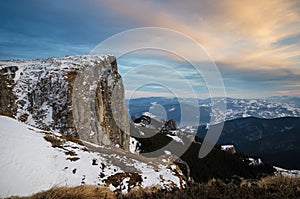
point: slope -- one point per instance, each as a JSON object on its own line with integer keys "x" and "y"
{"x": 32, "y": 160}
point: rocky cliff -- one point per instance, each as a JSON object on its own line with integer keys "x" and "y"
{"x": 82, "y": 96}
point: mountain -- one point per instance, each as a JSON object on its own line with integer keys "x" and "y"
{"x": 219, "y": 163}
{"x": 295, "y": 101}
{"x": 33, "y": 160}
{"x": 64, "y": 122}
{"x": 82, "y": 96}
{"x": 172, "y": 108}
{"x": 266, "y": 128}
{"x": 274, "y": 140}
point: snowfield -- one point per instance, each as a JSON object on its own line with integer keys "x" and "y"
{"x": 29, "y": 163}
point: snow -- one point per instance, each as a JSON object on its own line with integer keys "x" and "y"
{"x": 285, "y": 172}
{"x": 227, "y": 147}
{"x": 176, "y": 138}
{"x": 160, "y": 177}
{"x": 246, "y": 115}
{"x": 29, "y": 163}
{"x": 255, "y": 162}
{"x": 149, "y": 114}
{"x": 172, "y": 109}
{"x": 237, "y": 108}
{"x": 133, "y": 145}
{"x": 48, "y": 114}
{"x": 188, "y": 129}
{"x": 18, "y": 74}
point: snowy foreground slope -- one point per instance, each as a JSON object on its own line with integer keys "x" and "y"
{"x": 32, "y": 160}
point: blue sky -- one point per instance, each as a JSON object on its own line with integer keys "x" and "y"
{"x": 254, "y": 44}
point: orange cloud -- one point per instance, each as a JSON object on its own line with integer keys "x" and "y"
{"x": 245, "y": 33}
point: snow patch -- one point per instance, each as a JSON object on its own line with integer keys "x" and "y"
{"x": 285, "y": 172}
{"x": 255, "y": 161}
{"x": 133, "y": 145}
{"x": 227, "y": 147}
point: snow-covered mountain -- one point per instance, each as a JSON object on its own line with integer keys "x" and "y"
{"x": 171, "y": 108}
{"x": 261, "y": 108}
{"x": 33, "y": 160}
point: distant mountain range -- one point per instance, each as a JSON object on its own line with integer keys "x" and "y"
{"x": 172, "y": 108}
{"x": 274, "y": 140}
{"x": 266, "y": 128}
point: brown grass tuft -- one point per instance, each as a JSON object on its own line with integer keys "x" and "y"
{"x": 7, "y": 113}
{"x": 71, "y": 153}
{"x": 79, "y": 192}
{"x": 268, "y": 187}
{"x": 73, "y": 159}
{"x": 272, "y": 181}
{"x": 55, "y": 141}
{"x": 24, "y": 117}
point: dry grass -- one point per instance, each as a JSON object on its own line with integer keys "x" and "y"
{"x": 71, "y": 153}
{"x": 58, "y": 141}
{"x": 24, "y": 117}
{"x": 55, "y": 141}
{"x": 138, "y": 192}
{"x": 80, "y": 192}
{"x": 279, "y": 180}
{"x": 73, "y": 159}
{"x": 7, "y": 113}
{"x": 72, "y": 139}
{"x": 268, "y": 187}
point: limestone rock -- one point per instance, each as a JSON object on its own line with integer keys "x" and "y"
{"x": 81, "y": 96}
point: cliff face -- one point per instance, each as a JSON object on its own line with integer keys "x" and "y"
{"x": 82, "y": 96}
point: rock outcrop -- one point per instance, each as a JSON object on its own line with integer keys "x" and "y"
{"x": 82, "y": 96}
{"x": 170, "y": 127}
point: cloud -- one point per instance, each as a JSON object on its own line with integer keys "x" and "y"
{"x": 255, "y": 44}
{"x": 254, "y": 39}
{"x": 239, "y": 30}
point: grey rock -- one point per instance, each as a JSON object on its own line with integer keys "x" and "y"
{"x": 81, "y": 96}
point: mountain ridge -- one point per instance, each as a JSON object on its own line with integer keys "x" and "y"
{"x": 170, "y": 108}
{"x": 263, "y": 138}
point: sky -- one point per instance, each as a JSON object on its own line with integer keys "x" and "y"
{"x": 248, "y": 48}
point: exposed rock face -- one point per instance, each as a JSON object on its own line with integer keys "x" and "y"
{"x": 143, "y": 120}
{"x": 78, "y": 95}
{"x": 169, "y": 127}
